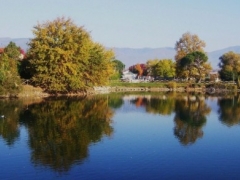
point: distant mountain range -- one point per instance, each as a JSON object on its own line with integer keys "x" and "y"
{"x": 131, "y": 56}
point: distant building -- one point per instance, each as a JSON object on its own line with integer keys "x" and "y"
{"x": 128, "y": 76}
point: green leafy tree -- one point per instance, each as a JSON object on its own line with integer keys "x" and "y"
{"x": 10, "y": 82}
{"x": 161, "y": 67}
{"x": 188, "y": 43}
{"x": 230, "y": 66}
{"x": 118, "y": 69}
{"x": 195, "y": 65}
{"x": 100, "y": 66}
{"x": 12, "y": 50}
{"x": 118, "y": 65}
{"x": 165, "y": 68}
{"x": 65, "y": 59}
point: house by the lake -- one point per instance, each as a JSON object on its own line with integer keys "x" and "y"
{"x": 128, "y": 76}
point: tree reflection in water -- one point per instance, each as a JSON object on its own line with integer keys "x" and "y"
{"x": 189, "y": 119}
{"x": 229, "y": 110}
{"x": 190, "y": 113}
{"x": 60, "y": 131}
{"x": 115, "y": 100}
{"x": 161, "y": 104}
{"x": 9, "y": 112}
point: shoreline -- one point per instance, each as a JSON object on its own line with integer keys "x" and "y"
{"x": 29, "y": 91}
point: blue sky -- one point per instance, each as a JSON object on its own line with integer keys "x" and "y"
{"x": 131, "y": 23}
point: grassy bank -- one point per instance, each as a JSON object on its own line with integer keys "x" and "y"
{"x": 172, "y": 85}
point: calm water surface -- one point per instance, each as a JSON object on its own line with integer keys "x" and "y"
{"x": 150, "y": 136}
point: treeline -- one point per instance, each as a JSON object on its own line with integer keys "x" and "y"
{"x": 62, "y": 58}
{"x": 191, "y": 62}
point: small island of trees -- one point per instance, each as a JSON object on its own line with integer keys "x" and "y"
{"x": 62, "y": 58}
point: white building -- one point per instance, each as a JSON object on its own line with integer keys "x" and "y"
{"x": 128, "y": 76}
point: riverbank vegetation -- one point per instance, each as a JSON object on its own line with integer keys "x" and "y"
{"x": 63, "y": 59}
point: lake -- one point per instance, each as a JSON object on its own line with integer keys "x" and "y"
{"x": 121, "y": 136}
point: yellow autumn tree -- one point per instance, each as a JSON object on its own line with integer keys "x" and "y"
{"x": 64, "y": 58}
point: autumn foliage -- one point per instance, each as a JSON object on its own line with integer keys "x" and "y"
{"x": 63, "y": 58}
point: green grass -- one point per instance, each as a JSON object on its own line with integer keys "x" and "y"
{"x": 169, "y": 84}
{"x": 173, "y": 84}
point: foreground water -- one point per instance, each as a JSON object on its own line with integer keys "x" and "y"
{"x": 151, "y": 136}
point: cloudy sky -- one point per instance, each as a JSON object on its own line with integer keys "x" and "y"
{"x": 130, "y": 23}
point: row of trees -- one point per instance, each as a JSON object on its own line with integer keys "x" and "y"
{"x": 191, "y": 61}
{"x": 63, "y": 58}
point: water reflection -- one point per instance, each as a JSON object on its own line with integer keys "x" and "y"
{"x": 229, "y": 110}
{"x": 156, "y": 104}
{"x": 115, "y": 100}
{"x": 9, "y": 112}
{"x": 190, "y": 117}
{"x": 60, "y": 131}
{"x": 190, "y": 113}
